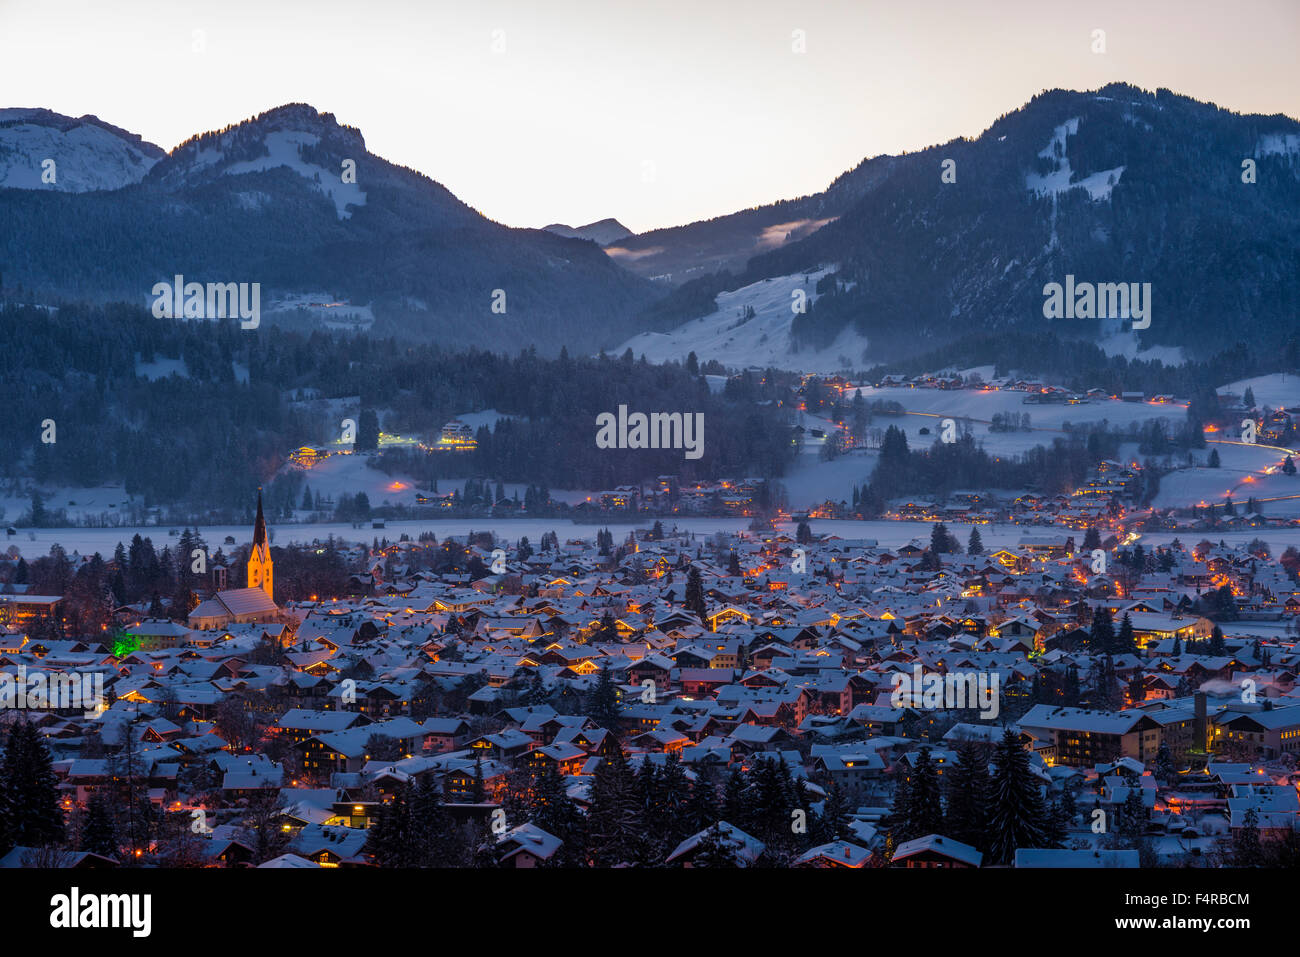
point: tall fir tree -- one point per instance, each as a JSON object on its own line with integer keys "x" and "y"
{"x": 694, "y": 602}
{"x": 99, "y": 834}
{"x": 736, "y": 808}
{"x": 1016, "y": 816}
{"x": 1101, "y": 637}
{"x": 29, "y": 794}
{"x": 925, "y": 807}
{"x": 703, "y": 809}
{"x": 557, "y": 814}
{"x": 1125, "y": 640}
{"x": 602, "y": 705}
{"x": 613, "y": 818}
{"x": 968, "y": 796}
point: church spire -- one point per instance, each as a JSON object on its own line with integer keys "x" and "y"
{"x": 260, "y": 567}
{"x": 259, "y": 528}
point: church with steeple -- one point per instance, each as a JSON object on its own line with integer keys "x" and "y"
{"x": 242, "y": 605}
{"x": 261, "y": 574}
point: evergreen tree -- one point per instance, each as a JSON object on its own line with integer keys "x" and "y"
{"x": 483, "y": 848}
{"x": 613, "y": 821}
{"x": 390, "y": 840}
{"x": 436, "y": 840}
{"x": 925, "y": 807}
{"x": 1132, "y": 817}
{"x": 555, "y": 813}
{"x": 674, "y": 802}
{"x": 834, "y": 817}
{"x": 608, "y": 629}
{"x": 1069, "y": 806}
{"x": 479, "y": 793}
{"x": 735, "y": 800}
{"x": 771, "y": 802}
{"x": 716, "y": 850}
{"x": 1017, "y": 816}
{"x": 1126, "y": 641}
{"x": 968, "y": 796}
{"x": 1101, "y": 637}
{"x": 974, "y": 546}
{"x": 695, "y": 595}
{"x": 602, "y": 705}
{"x": 1071, "y": 692}
{"x": 1217, "y": 647}
{"x": 1091, "y": 539}
{"x": 29, "y": 795}
{"x": 1056, "y": 826}
{"x": 1165, "y": 772}
{"x": 703, "y": 810}
{"x": 99, "y": 834}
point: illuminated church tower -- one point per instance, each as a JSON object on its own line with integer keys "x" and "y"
{"x": 260, "y": 573}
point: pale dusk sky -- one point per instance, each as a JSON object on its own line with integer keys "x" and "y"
{"x": 537, "y": 111}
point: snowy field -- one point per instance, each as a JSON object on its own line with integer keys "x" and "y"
{"x": 1277, "y": 391}
{"x": 108, "y": 500}
{"x": 1245, "y": 471}
{"x": 981, "y": 405}
{"x": 1127, "y": 344}
{"x": 37, "y": 542}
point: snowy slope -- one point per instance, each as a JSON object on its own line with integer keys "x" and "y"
{"x": 284, "y": 149}
{"x": 1277, "y": 391}
{"x": 1126, "y": 344}
{"x": 1098, "y": 185}
{"x": 1245, "y": 471}
{"x": 87, "y": 154}
{"x": 762, "y": 341}
{"x": 312, "y": 145}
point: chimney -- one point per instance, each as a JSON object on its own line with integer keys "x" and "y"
{"x": 1200, "y": 725}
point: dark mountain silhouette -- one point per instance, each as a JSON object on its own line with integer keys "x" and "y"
{"x": 1116, "y": 185}
{"x": 269, "y": 201}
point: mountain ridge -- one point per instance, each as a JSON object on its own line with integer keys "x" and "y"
{"x": 1116, "y": 184}
{"x": 293, "y": 200}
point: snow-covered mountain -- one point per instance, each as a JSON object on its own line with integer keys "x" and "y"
{"x": 312, "y": 145}
{"x": 602, "y": 233}
{"x": 292, "y": 199}
{"x": 86, "y": 153}
{"x": 1197, "y": 204}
